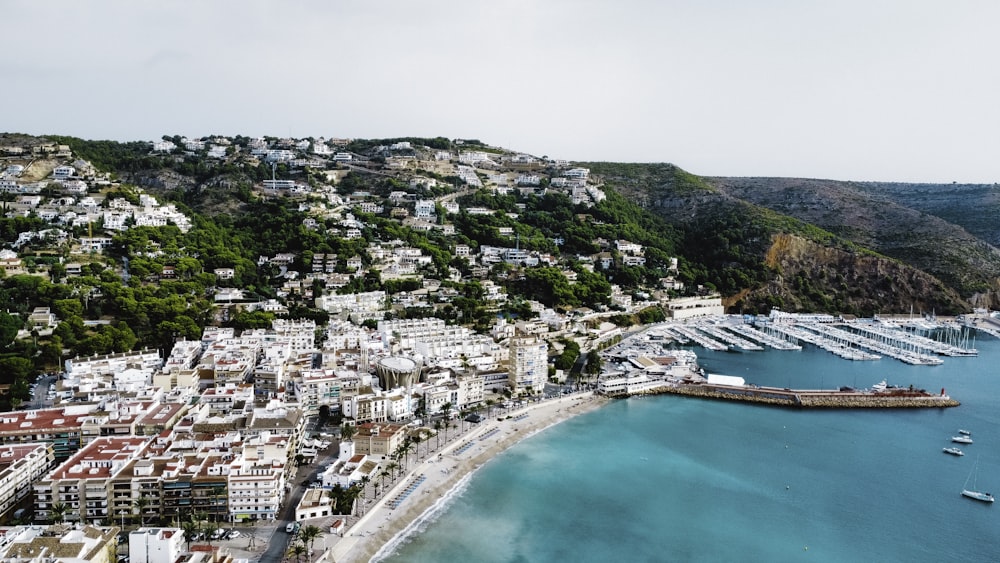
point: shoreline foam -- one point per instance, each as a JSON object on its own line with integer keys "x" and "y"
{"x": 382, "y": 529}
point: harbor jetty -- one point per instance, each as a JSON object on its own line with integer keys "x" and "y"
{"x": 845, "y": 398}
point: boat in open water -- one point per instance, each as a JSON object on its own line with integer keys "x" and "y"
{"x": 953, "y": 451}
{"x": 961, "y": 439}
{"x": 964, "y": 432}
{"x": 973, "y": 493}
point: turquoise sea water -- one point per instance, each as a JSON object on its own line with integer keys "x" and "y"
{"x": 678, "y": 479}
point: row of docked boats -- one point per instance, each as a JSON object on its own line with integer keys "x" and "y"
{"x": 965, "y": 437}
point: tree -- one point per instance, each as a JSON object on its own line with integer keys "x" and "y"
{"x": 140, "y": 505}
{"x": 446, "y": 410}
{"x": 437, "y": 431}
{"x": 309, "y": 534}
{"x": 404, "y": 450}
{"x": 593, "y": 365}
{"x": 347, "y": 431}
{"x": 217, "y": 491}
{"x": 336, "y": 496}
{"x": 9, "y": 325}
{"x": 297, "y": 550}
{"x": 58, "y": 512}
{"x": 364, "y": 481}
{"x": 190, "y": 528}
{"x": 416, "y": 439}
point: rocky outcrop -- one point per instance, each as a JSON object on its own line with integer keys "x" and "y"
{"x": 810, "y": 276}
{"x": 933, "y": 228}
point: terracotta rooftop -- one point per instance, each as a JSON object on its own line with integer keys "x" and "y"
{"x": 100, "y": 458}
{"x": 20, "y": 422}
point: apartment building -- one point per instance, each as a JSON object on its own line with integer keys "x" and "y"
{"x": 528, "y": 365}
{"x": 81, "y": 483}
{"x": 378, "y": 439}
{"x": 20, "y": 466}
{"x": 171, "y": 485}
{"x": 257, "y": 486}
{"x": 61, "y": 427}
{"x": 315, "y": 388}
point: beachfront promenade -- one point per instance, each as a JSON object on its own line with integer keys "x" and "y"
{"x": 401, "y": 507}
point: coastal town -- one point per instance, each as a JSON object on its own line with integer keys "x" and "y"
{"x": 211, "y": 445}
{"x": 323, "y": 439}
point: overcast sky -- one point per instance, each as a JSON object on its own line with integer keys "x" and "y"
{"x": 905, "y": 90}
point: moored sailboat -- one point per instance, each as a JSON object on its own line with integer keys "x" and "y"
{"x": 973, "y": 493}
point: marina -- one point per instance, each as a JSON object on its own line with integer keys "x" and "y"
{"x": 894, "y": 348}
{"x": 752, "y": 333}
{"x": 856, "y": 340}
{"x": 840, "y": 348}
{"x": 732, "y": 341}
{"x": 648, "y": 362}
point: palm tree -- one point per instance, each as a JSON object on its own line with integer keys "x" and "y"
{"x": 404, "y": 450}
{"x": 437, "y": 432}
{"x": 140, "y": 504}
{"x": 190, "y": 528}
{"x": 392, "y": 466}
{"x": 416, "y": 444}
{"x": 351, "y": 496}
{"x": 336, "y": 494}
{"x": 298, "y": 550}
{"x": 308, "y": 535}
{"x": 446, "y": 409}
{"x": 58, "y": 512}
{"x": 347, "y": 431}
{"x": 217, "y": 491}
{"x": 382, "y": 476}
{"x": 364, "y": 481}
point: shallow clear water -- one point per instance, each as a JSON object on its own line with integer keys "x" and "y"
{"x": 679, "y": 479}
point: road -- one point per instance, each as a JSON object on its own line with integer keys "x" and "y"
{"x": 280, "y": 540}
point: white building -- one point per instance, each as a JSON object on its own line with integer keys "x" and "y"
{"x": 155, "y": 545}
{"x": 368, "y": 302}
{"x": 529, "y": 368}
{"x": 62, "y": 172}
{"x": 21, "y": 465}
{"x": 687, "y": 307}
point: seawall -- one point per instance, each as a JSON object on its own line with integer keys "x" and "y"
{"x": 830, "y": 399}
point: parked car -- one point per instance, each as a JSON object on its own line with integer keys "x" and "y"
{"x": 233, "y": 534}
{"x": 290, "y": 527}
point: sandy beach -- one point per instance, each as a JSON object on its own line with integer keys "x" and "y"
{"x": 430, "y": 480}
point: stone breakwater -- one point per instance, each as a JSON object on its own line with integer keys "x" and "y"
{"x": 831, "y": 399}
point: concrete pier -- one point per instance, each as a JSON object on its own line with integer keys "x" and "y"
{"x": 812, "y": 398}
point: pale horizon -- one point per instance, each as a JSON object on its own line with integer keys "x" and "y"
{"x": 865, "y": 91}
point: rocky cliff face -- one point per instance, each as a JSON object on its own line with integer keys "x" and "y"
{"x": 882, "y": 220}
{"x": 871, "y": 253}
{"x": 810, "y": 276}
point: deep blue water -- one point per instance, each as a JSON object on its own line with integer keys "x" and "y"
{"x": 679, "y": 479}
